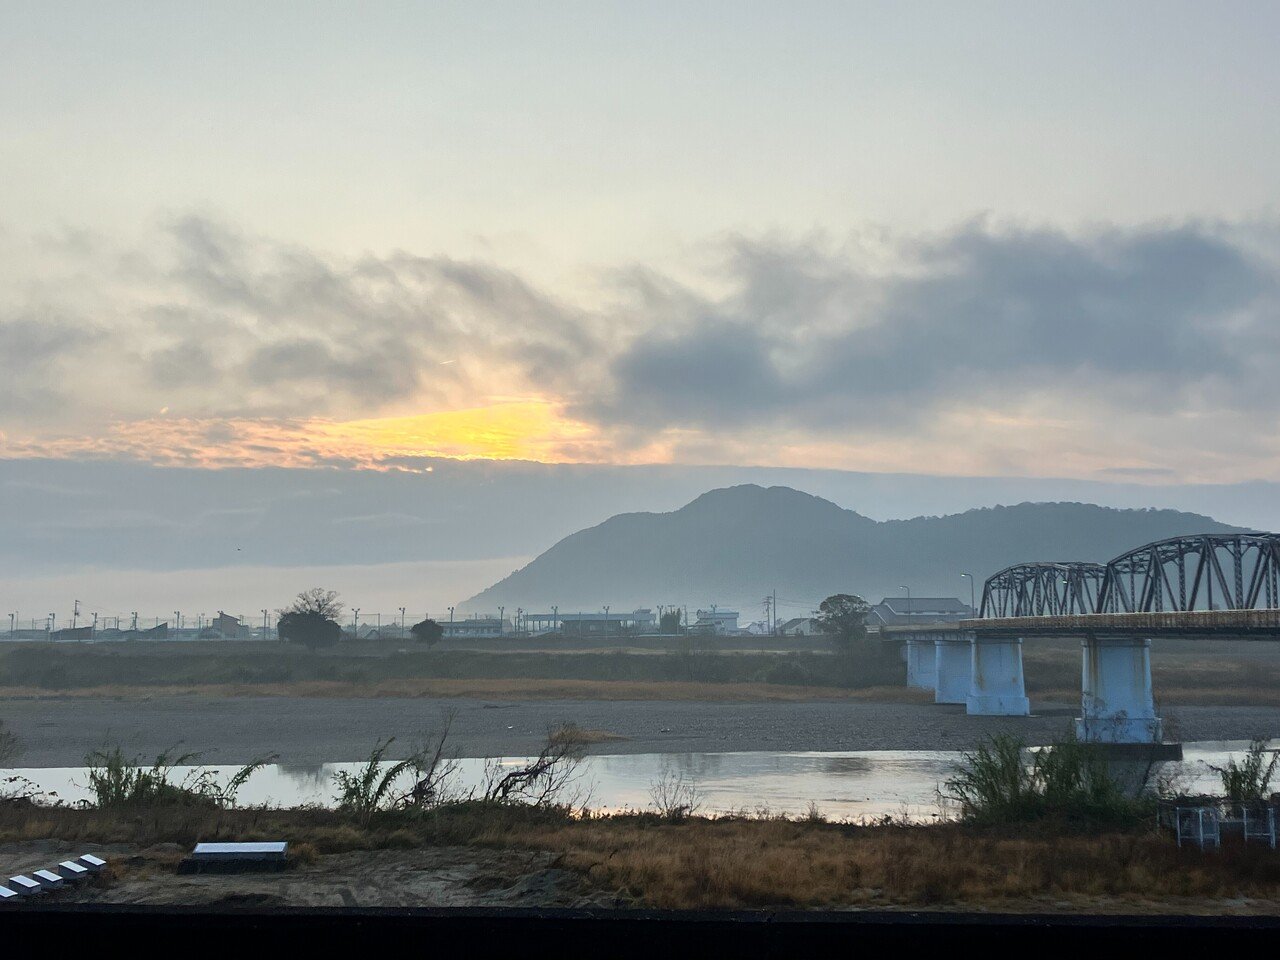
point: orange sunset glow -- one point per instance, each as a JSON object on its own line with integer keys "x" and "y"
{"x": 533, "y": 430}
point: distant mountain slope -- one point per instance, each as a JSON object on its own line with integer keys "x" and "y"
{"x": 734, "y": 545}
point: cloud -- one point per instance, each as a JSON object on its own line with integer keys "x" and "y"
{"x": 1152, "y": 320}
{"x": 213, "y": 323}
{"x": 986, "y": 348}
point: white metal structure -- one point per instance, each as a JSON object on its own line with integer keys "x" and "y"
{"x": 1198, "y": 825}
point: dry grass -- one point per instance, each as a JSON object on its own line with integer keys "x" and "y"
{"x": 774, "y": 863}
{"x": 492, "y": 689}
{"x": 737, "y": 863}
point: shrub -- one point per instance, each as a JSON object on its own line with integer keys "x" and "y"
{"x": 1067, "y": 780}
{"x": 1247, "y": 783}
{"x": 312, "y": 630}
{"x": 427, "y": 631}
{"x": 118, "y": 782}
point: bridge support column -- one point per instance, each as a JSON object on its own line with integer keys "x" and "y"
{"x": 996, "y": 686}
{"x": 922, "y": 663}
{"x": 953, "y": 663}
{"x": 1117, "y": 705}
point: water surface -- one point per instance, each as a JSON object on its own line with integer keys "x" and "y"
{"x": 855, "y": 785}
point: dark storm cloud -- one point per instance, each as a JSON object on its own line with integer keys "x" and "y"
{"x": 1151, "y": 319}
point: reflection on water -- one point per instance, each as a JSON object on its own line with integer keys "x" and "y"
{"x": 851, "y": 786}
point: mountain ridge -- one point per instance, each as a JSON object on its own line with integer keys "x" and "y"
{"x": 733, "y": 545}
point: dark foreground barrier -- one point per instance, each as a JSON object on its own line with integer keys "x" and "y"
{"x": 624, "y": 933}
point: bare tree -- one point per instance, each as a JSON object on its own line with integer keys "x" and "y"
{"x": 319, "y": 601}
{"x": 544, "y": 779}
{"x": 432, "y": 770}
{"x": 674, "y": 797}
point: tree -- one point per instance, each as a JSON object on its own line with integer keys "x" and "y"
{"x": 669, "y": 623}
{"x": 427, "y": 631}
{"x": 312, "y": 619}
{"x": 312, "y": 630}
{"x": 862, "y": 661}
{"x": 843, "y": 618}
{"x": 318, "y": 600}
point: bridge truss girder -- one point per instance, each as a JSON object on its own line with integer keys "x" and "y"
{"x": 1217, "y": 571}
{"x": 1042, "y": 590}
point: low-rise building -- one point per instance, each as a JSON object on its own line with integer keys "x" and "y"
{"x": 895, "y": 611}
{"x": 799, "y": 627}
{"x": 591, "y": 624}
{"x": 473, "y": 627}
{"x": 718, "y": 622}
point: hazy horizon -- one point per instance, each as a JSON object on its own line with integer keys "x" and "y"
{"x": 124, "y": 537}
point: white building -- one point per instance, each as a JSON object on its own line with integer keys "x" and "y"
{"x": 718, "y": 622}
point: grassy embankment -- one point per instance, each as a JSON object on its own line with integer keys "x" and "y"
{"x": 1050, "y": 830}
{"x": 391, "y": 670}
{"x": 1184, "y": 673}
{"x": 737, "y": 862}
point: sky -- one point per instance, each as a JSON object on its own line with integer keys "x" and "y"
{"x": 991, "y": 239}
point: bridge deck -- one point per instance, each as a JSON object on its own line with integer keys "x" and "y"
{"x": 1197, "y": 624}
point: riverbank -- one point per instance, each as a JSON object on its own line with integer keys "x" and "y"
{"x": 532, "y": 857}
{"x": 1185, "y": 673}
{"x": 60, "y": 732}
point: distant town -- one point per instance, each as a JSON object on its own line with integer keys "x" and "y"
{"x": 659, "y": 621}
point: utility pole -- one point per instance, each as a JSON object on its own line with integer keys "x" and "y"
{"x": 502, "y": 612}
{"x": 75, "y": 613}
{"x": 355, "y": 622}
{"x": 606, "y": 619}
{"x": 402, "y": 619}
{"x": 264, "y": 624}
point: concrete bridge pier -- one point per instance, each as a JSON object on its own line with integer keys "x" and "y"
{"x": 996, "y": 687}
{"x": 922, "y": 663}
{"x": 953, "y": 663}
{"x": 1117, "y": 705}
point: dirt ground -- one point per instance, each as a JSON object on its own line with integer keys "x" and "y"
{"x": 423, "y": 877}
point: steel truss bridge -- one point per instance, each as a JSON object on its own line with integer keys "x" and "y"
{"x": 1218, "y": 586}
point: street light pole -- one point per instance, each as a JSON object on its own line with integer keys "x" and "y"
{"x": 973, "y": 610}
{"x": 902, "y": 586}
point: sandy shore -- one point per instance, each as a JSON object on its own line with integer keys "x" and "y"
{"x": 60, "y": 731}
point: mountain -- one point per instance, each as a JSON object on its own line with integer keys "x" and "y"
{"x": 733, "y": 546}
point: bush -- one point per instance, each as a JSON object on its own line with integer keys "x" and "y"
{"x": 789, "y": 673}
{"x": 1067, "y": 780}
{"x": 118, "y": 782}
{"x": 427, "y": 631}
{"x": 312, "y": 630}
{"x": 1247, "y": 783}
